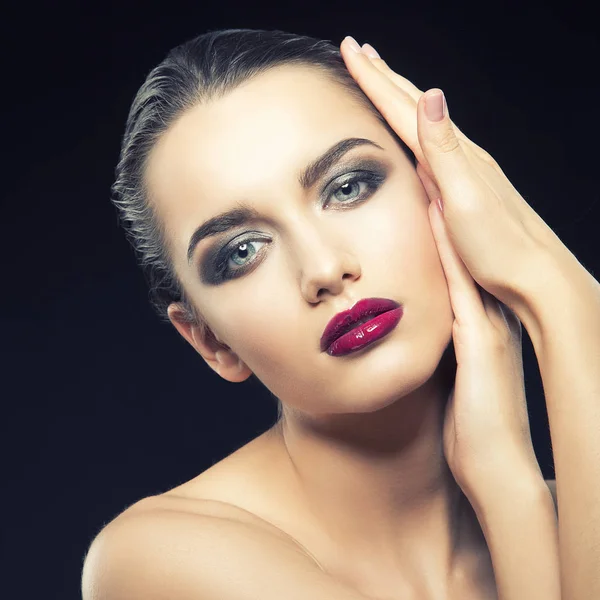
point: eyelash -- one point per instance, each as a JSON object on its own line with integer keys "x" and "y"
{"x": 373, "y": 181}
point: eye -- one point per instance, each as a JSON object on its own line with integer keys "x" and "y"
{"x": 243, "y": 250}
{"x": 237, "y": 258}
{"x": 349, "y": 192}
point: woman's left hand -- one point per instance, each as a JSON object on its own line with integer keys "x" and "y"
{"x": 488, "y": 235}
{"x": 501, "y": 240}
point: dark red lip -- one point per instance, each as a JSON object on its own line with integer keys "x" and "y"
{"x": 345, "y": 321}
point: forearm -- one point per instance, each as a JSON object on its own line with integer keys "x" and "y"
{"x": 563, "y": 322}
{"x": 517, "y": 516}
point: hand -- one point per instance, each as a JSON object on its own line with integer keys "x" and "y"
{"x": 489, "y": 242}
{"x": 486, "y": 437}
{"x": 486, "y": 426}
{"x": 486, "y": 433}
{"x": 499, "y": 237}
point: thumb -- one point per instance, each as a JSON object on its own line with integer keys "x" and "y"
{"x": 446, "y": 158}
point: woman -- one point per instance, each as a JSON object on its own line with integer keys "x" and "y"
{"x": 287, "y": 234}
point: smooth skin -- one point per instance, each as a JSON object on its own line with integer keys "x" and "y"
{"x": 511, "y": 252}
{"x": 487, "y": 441}
{"x": 157, "y": 554}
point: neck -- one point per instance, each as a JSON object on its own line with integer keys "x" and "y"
{"x": 378, "y": 485}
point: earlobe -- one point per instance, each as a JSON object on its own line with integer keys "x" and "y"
{"x": 230, "y": 367}
{"x": 227, "y": 364}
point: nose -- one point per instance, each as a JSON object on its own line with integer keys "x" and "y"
{"x": 327, "y": 265}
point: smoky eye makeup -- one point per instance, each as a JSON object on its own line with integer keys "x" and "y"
{"x": 365, "y": 175}
{"x": 213, "y": 267}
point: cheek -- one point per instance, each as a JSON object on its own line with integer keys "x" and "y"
{"x": 262, "y": 328}
{"x": 398, "y": 236}
{"x": 410, "y": 267}
{"x": 398, "y": 256}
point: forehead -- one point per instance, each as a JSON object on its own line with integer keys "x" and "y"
{"x": 250, "y": 144}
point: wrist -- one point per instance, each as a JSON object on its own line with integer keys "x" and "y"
{"x": 500, "y": 482}
{"x": 518, "y": 507}
{"x": 561, "y": 289}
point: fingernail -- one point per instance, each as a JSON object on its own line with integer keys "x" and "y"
{"x": 440, "y": 205}
{"x": 370, "y": 51}
{"x": 435, "y": 106}
{"x": 353, "y": 43}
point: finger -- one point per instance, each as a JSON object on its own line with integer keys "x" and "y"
{"x": 433, "y": 191}
{"x": 466, "y": 294}
{"x": 415, "y": 93}
{"x": 378, "y": 80}
{"x": 408, "y": 86}
{"x": 467, "y": 302}
{"x": 454, "y": 174}
{"x": 396, "y": 106}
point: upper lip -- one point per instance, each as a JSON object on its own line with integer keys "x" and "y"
{"x": 343, "y": 321}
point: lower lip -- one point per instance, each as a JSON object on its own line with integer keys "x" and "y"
{"x": 366, "y": 334}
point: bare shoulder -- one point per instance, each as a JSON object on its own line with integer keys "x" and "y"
{"x": 158, "y": 551}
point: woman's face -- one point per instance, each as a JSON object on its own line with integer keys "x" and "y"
{"x": 312, "y": 251}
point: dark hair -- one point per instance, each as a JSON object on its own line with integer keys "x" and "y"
{"x": 202, "y": 69}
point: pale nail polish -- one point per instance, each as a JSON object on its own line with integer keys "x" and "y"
{"x": 353, "y": 43}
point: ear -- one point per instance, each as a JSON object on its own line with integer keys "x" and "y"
{"x": 218, "y": 355}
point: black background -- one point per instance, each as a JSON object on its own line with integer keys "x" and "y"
{"x": 102, "y": 404}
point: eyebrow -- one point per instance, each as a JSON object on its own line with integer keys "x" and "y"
{"x": 308, "y": 177}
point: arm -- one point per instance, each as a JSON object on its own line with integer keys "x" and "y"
{"x": 168, "y": 554}
{"x": 562, "y": 316}
{"x": 517, "y": 515}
